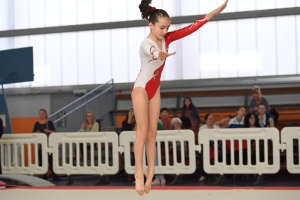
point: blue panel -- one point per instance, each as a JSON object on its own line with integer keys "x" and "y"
{"x": 16, "y": 65}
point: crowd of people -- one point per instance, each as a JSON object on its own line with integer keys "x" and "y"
{"x": 257, "y": 116}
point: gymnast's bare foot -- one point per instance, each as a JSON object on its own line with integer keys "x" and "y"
{"x": 139, "y": 184}
{"x": 148, "y": 183}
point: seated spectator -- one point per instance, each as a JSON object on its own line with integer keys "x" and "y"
{"x": 130, "y": 119}
{"x": 264, "y": 119}
{"x": 238, "y": 121}
{"x": 90, "y": 125}
{"x": 251, "y": 121}
{"x": 209, "y": 124}
{"x": 46, "y": 126}
{"x": 258, "y": 99}
{"x": 190, "y": 111}
{"x": 164, "y": 117}
{"x": 160, "y": 125}
{"x": 176, "y": 123}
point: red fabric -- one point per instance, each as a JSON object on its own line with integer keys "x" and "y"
{"x": 166, "y": 123}
{"x": 152, "y": 9}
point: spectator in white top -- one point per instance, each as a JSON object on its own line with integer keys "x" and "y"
{"x": 209, "y": 124}
{"x": 238, "y": 121}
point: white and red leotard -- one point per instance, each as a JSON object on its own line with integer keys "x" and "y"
{"x": 151, "y": 66}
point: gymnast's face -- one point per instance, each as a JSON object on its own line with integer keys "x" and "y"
{"x": 161, "y": 27}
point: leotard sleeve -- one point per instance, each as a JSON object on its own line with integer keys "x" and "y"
{"x": 180, "y": 33}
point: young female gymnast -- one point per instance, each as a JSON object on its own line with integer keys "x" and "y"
{"x": 146, "y": 89}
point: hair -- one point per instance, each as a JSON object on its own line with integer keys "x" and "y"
{"x": 192, "y": 106}
{"x": 164, "y": 109}
{"x": 239, "y": 108}
{"x": 261, "y": 104}
{"x": 256, "y": 90}
{"x": 127, "y": 114}
{"x": 174, "y": 120}
{"x": 246, "y": 120}
{"x": 206, "y": 116}
{"x": 44, "y": 112}
{"x": 93, "y": 121}
{"x": 146, "y": 13}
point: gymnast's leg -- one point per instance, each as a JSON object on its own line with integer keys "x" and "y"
{"x": 140, "y": 106}
{"x": 153, "y": 115}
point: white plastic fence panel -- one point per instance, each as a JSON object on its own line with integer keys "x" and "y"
{"x": 20, "y": 153}
{"x": 259, "y": 143}
{"x": 99, "y": 156}
{"x": 291, "y": 137}
{"x": 175, "y": 152}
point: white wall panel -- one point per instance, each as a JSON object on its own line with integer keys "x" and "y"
{"x": 102, "y": 11}
{"x": 135, "y": 38}
{"x": 36, "y": 14}
{"x": 236, "y": 48}
{"x": 103, "y": 51}
{"x": 285, "y": 3}
{"x": 38, "y": 44}
{"x": 133, "y": 10}
{"x": 52, "y": 13}
{"x": 228, "y": 49}
{"x": 286, "y": 45}
{"x": 172, "y": 7}
{"x": 266, "y": 46}
{"x": 246, "y": 40}
{"x": 173, "y": 67}
{"x": 4, "y": 15}
{"x": 119, "y": 55}
{"x": 21, "y": 14}
{"x": 85, "y": 11}
{"x": 209, "y": 55}
{"x": 190, "y": 55}
{"x": 245, "y": 5}
{"x": 86, "y": 68}
{"x": 6, "y": 43}
{"x": 191, "y": 8}
{"x": 265, "y": 4}
{"x": 53, "y": 60}
{"x": 69, "y": 53}
{"x": 118, "y": 10}
{"x": 207, "y": 6}
{"x": 297, "y": 3}
{"x": 68, "y": 12}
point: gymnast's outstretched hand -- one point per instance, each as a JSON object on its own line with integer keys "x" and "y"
{"x": 163, "y": 55}
{"x": 217, "y": 11}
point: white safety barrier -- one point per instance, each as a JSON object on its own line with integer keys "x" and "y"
{"x": 290, "y": 136}
{"x": 20, "y": 153}
{"x": 221, "y": 159}
{"x": 100, "y": 153}
{"x": 173, "y": 147}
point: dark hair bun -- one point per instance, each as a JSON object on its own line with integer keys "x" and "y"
{"x": 145, "y": 8}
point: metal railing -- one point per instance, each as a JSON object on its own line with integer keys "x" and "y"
{"x": 99, "y": 101}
